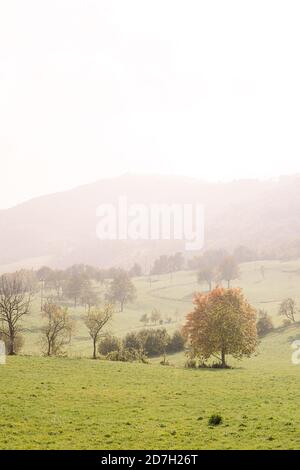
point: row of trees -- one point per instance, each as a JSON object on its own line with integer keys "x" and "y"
{"x": 211, "y": 269}
{"x": 80, "y": 284}
{"x": 59, "y": 326}
{"x": 17, "y": 291}
{"x": 156, "y": 317}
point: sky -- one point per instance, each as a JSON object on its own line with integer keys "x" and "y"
{"x": 94, "y": 89}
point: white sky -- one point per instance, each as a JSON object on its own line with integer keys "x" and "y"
{"x": 90, "y": 89}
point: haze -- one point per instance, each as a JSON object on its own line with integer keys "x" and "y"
{"x": 92, "y": 89}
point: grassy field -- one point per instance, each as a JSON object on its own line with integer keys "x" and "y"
{"x": 170, "y": 294}
{"x": 78, "y": 403}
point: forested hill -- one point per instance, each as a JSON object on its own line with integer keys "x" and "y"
{"x": 262, "y": 215}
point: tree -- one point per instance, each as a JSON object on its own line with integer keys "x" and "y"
{"x": 135, "y": 271}
{"x": 178, "y": 261}
{"x": 15, "y": 301}
{"x": 89, "y": 296}
{"x": 121, "y": 290}
{"x": 95, "y": 321}
{"x": 153, "y": 341}
{"x": 56, "y": 281}
{"x": 206, "y": 275}
{"x": 176, "y": 315}
{"x": 109, "y": 344}
{"x": 264, "y": 323}
{"x": 288, "y": 309}
{"x": 244, "y": 254}
{"x": 155, "y": 316}
{"x": 144, "y": 319}
{"x": 161, "y": 265}
{"x": 57, "y": 331}
{"x": 75, "y": 287}
{"x": 176, "y": 343}
{"x": 229, "y": 270}
{"x": 222, "y": 323}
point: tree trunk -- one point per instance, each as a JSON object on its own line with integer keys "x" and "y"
{"x": 223, "y": 360}
{"x": 11, "y": 346}
{"x": 49, "y": 349}
{"x": 95, "y": 348}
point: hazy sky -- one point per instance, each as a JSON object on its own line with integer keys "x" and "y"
{"x": 90, "y": 89}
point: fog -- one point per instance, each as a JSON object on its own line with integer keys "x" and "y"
{"x": 93, "y": 89}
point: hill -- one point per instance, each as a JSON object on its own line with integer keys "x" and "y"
{"x": 78, "y": 403}
{"x": 84, "y": 404}
{"x": 263, "y": 215}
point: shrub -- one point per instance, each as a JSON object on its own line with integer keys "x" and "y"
{"x": 19, "y": 342}
{"x": 191, "y": 364}
{"x": 154, "y": 342}
{"x": 133, "y": 341}
{"x": 215, "y": 420}
{"x": 127, "y": 355}
{"x": 108, "y": 345}
{"x": 264, "y": 323}
{"x": 176, "y": 343}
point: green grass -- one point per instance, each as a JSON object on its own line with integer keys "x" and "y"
{"x": 53, "y": 403}
{"x": 78, "y": 403}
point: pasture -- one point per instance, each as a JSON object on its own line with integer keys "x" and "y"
{"x": 78, "y": 403}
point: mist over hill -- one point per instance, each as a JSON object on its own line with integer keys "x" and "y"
{"x": 262, "y": 215}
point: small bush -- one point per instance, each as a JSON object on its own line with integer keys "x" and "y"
{"x": 176, "y": 343}
{"x": 108, "y": 345}
{"x": 215, "y": 420}
{"x": 264, "y": 323}
{"x": 133, "y": 341}
{"x": 191, "y": 364}
{"x": 127, "y": 355}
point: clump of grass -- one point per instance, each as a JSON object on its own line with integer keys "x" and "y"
{"x": 215, "y": 420}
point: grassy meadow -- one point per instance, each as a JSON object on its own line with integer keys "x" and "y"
{"x": 171, "y": 294}
{"x": 77, "y": 403}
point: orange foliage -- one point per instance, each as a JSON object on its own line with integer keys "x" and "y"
{"x": 221, "y": 323}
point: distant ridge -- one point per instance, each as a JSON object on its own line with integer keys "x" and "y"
{"x": 262, "y": 215}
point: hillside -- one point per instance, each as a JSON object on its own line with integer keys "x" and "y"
{"x": 78, "y": 403}
{"x": 172, "y": 296}
{"x": 263, "y": 215}
{"x": 83, "y": 404}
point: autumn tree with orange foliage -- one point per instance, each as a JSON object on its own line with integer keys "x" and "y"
{"x": 222, "y": 323}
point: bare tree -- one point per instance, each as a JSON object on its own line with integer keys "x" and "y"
{"x": 155, "y": 316}
{"x": 288, "y": 309}
{"x": 15, "y": 301}
{"x": 208, "y": 275}
{"x": 95, "y": 321}
{"x": 57, "y": 332}
{"x": 121, "y": 289}
{"x": 229, "y": 270}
